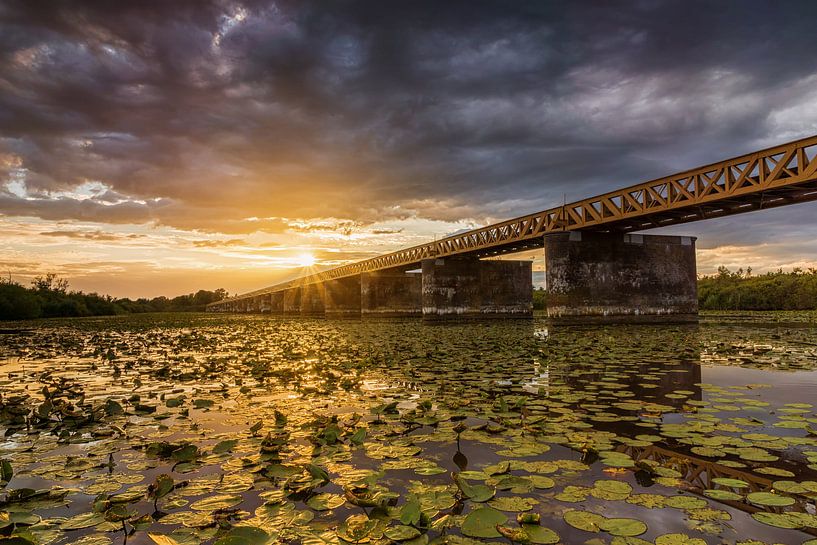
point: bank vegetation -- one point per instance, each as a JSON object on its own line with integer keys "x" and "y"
{"x": 49, "y": 297}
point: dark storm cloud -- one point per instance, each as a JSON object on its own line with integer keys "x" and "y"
{"x": 202, "y": 114}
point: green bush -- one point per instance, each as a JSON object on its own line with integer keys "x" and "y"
{"x": 18, "y": 303}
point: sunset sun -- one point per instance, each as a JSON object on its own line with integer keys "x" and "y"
{"x": 305, "y": 260}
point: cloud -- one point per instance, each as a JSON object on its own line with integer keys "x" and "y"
{"x": 236, "y": 117}
{"x": 218, "y": 243}
{"x": 92, "y": 235}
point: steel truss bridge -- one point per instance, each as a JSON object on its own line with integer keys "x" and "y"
{"x": 777, "y": 176}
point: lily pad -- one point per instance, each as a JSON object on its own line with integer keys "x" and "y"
{"x": 325, "y": 501}
{"x": 482, "y": 522}
{"x": 584, "y": 520}
{"x": 767, "y": 499}
{"x": 623, "y": 527}
{"x": 540, "y": 534}
{"x": 401, "y": 532}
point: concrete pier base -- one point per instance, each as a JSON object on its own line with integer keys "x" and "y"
{"x": 468, "y": 287}
{"x": 342, "y": 297}
{"x": 276, "y": 302}
{"x": 617, "y": 277}
{"x": 312, "y": 300}
{"x": 391, "y": 293}
{"x": 291, "y": 303}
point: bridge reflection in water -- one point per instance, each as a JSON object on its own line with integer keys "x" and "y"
{"x": 657, "y": 381}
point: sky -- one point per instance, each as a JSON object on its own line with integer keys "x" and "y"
{"x": 157, "y": 148}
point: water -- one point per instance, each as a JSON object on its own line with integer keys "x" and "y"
{"x": 610, "y": 434}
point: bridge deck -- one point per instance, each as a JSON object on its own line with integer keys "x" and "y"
{"x": 777, "y": 176}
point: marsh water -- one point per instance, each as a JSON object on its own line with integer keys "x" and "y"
{"x": 247, "y": 430}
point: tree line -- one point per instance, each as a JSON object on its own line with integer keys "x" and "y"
{"x": 742, "y": 290}
{"x": 49, "y": 297}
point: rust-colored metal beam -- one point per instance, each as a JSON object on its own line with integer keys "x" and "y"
{"x": 777, "y": 176}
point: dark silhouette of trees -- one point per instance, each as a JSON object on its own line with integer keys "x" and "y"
{"x": 49, "y": 297}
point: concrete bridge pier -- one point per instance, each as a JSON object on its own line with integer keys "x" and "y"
{"x": 391, "y": 292}
{"x": 276, "y": 302}
{"x": 312, "y": 300}
{"x": 593, "y": 276}
{"x": 469, "y": 287}
{"x": 291, "y": 301}
{"x": 342, "y": 297}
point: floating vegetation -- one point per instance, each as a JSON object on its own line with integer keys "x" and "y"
{"x": 248, "y": 430}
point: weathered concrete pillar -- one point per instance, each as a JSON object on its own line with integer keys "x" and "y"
{"x": 276, "y": 302}
{"x": 469, "y": 287}
{"x": 312, "y": 300}
{"x": 291, "y": 303}
{"x": 391, "y": 293}
{"x": 613, "y": 276}
{"x": 342, "y": 297}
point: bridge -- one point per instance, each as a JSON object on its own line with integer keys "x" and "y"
{"x": 596, "y": 266}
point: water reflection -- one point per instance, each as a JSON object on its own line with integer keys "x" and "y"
{"x": 537, "y": 414}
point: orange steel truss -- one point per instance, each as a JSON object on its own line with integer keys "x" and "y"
{"x": 776, "y": 176}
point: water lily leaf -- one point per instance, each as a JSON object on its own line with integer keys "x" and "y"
{"x": 778, "y": 520}
{"x": 401, "y": 532}
{"x": 93, "y": 539}
{"x": 244, "y": 535}
{"x": 685, "y": 502}
{"x": 83, "y": 520}
{"x": 223, "y": 501}
{"x": 113, "y": 408}
{"x": 678, "y": 539}
{"x": 477, "y": 492}
{"x": 623, "y": 527}
{"x": 187, "y": 453}
{"x": 722, "y": 495}
{"x": 318, "y": 473}
{"x": 513, "y": 534}
{"x": 161, "y": 487}
{"x": 768, "y": 499}
{"x": 606, "y": 489}
{"x": 513, "y": 503}
{"x": 356, "y": 529}
{"x": 225, "y": 446}
{"x": 358, "y": 437}
{"x": 584, "y": 520}
{"x": 731, "y": 483}
{"x": 203, "y": 403}
{"x": 540, "y": 534}
{"x": 541, "y": 482}
{"x": 410, "y": 512}
{"x": 6, "y": 471}
{"x": 482, "y": 522}
{"x": 573, "y": 494}
{"x": 790, "y": 487}
{"x": 325, "y": 502}
{"x": 650, "y": 501}
{"x": 775, "y": 471}
{"x": 165, "y": 539}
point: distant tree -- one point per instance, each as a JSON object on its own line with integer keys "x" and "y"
{"x": 727, "y": 290}
{"x": 18, "y": 303}
{"x": 50, "y": 282}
